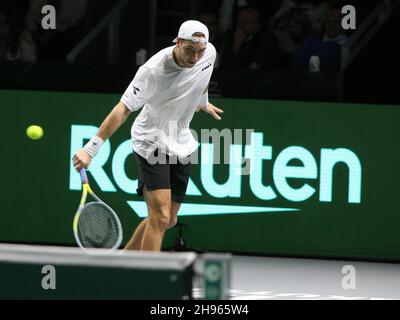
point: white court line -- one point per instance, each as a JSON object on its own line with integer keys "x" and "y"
{"x": 198, "y": 293}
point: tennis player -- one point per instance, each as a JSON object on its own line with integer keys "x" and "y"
{"x": 169, "y": 88}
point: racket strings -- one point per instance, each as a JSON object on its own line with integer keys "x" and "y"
{"x": 97, "y": 226}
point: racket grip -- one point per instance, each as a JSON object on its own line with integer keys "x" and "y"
{"x": 83, "y": 175}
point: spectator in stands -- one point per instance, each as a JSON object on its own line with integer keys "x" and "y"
{"x": 249, "y": 45}
{"x": 333, "y": 30}
{"x": 295, "y": 20}
{"x": 55, "y": 44}
{"x": 211, "y": 21}
{"x": 16, "y": 43}
{"x": 69, "y": 13}
{"x": 229, "y": 10}
{"x": 326, "y": 46}
{"x": 314, "y": 9}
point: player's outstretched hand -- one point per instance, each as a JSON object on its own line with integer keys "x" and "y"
{"x": 213, "y": 110}
{"x": 81, "y": 160}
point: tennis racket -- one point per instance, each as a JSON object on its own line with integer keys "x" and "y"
{"x": 96, "y": 225}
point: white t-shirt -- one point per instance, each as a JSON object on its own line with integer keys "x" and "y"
{"x": 169, "y": 95}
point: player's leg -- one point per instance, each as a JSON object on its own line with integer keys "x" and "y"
{"x": 179, "y": 175}
{"x": 157, "y": 202}
{"x": 159, "y": 211}
{"x": 151, "y": 177}
{"x": 136, "y": 240}
{"x": 174, "y": 214}
{"x": 158, "y": 220}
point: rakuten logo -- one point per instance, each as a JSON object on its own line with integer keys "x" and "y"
{"x": 251, "y": 159}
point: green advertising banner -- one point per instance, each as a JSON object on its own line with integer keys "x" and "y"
{"x": 301, "y": 179}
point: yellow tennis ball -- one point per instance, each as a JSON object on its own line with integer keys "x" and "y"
{"x": 34, "y": 132}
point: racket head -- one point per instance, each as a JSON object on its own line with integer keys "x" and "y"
{"x": 97, "y": 226}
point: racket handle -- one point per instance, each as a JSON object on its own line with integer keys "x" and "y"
{"x": 83, "y": 175}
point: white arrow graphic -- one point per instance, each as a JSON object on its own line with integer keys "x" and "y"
{"x": 192, "y": 209}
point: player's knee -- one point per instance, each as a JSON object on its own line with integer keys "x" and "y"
{"x": 172, "y": 221}
{"x": 161, "y": 216}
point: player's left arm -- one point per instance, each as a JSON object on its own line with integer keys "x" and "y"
{"x": 208, "y": 107}
{"x": 212, "y": 110}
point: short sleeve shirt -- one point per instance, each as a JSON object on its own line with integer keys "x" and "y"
{"x": 168, "y": 96}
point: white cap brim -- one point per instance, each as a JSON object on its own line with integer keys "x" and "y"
{"x": 194, "y": 39}
{"x": 191, "y": 27}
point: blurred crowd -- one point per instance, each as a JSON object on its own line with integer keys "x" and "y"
{"x": 247, "y": 35}
{"x": 245, "y": 32}
{"x": 23, "y": 38}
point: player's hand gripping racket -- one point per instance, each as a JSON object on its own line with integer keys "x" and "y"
{"x": 95, "y": 225}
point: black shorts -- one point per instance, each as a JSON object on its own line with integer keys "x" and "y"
{"x": 174, "y": 176}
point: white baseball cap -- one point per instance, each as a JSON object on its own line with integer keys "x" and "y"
{"x": 189, "y": 28}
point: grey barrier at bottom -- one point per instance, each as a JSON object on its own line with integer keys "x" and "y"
{"x": 43, "y": 272}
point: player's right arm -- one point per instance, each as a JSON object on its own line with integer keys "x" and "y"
{"x": 139, "y": 92}
{"x": 110, "y": 124}
{"x": 113, "y": 121}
